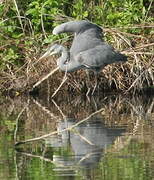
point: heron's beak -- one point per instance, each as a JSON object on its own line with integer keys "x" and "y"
{"x": 47, "y": 54}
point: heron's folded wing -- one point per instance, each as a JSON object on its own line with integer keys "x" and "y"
{"x": 99, "y": 56}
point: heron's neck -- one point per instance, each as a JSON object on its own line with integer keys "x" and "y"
{"x": 67, "y": 63}
{"x": 62, "y": 64}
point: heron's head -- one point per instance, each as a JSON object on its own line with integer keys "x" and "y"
{"x": 54, "y": 49}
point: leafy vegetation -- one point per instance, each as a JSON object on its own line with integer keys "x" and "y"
{"x": 26, "y": 26}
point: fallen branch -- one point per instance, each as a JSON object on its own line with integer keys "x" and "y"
{"x": 44, "y": 78}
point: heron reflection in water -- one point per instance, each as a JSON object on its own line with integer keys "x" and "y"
{"x": 88, "y": 50}
{"x": 88, "y": 141}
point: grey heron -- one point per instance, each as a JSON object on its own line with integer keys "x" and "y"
{"x": 88, "y": 50}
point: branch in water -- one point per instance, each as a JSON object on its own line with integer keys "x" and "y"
{"x": 56, "y": 132}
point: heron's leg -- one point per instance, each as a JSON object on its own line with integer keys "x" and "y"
{"x": 88, "y": 91}
{"x": 96, "y": 83}
{"x": 88, "y": 83}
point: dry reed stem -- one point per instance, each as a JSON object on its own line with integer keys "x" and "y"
{"x": 146, "y": 15}
{"x": 42, "y": 23}
{"x": 139, "y": 76}
{"x": 19, "y": 17}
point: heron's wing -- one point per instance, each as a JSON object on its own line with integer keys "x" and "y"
{"x": 75, "y": 27}
{"x": 99, "y": 56}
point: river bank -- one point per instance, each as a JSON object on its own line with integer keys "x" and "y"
{"x": 134, "y": 76}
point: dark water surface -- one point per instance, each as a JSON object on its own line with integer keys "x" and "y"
{"x": 108, "y": 138}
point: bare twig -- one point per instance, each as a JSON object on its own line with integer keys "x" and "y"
{"x": 44, "y": 78}
{"x": 150, "y": 5}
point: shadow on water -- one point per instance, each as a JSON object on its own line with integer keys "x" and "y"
{"x": 98, "y": 138}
